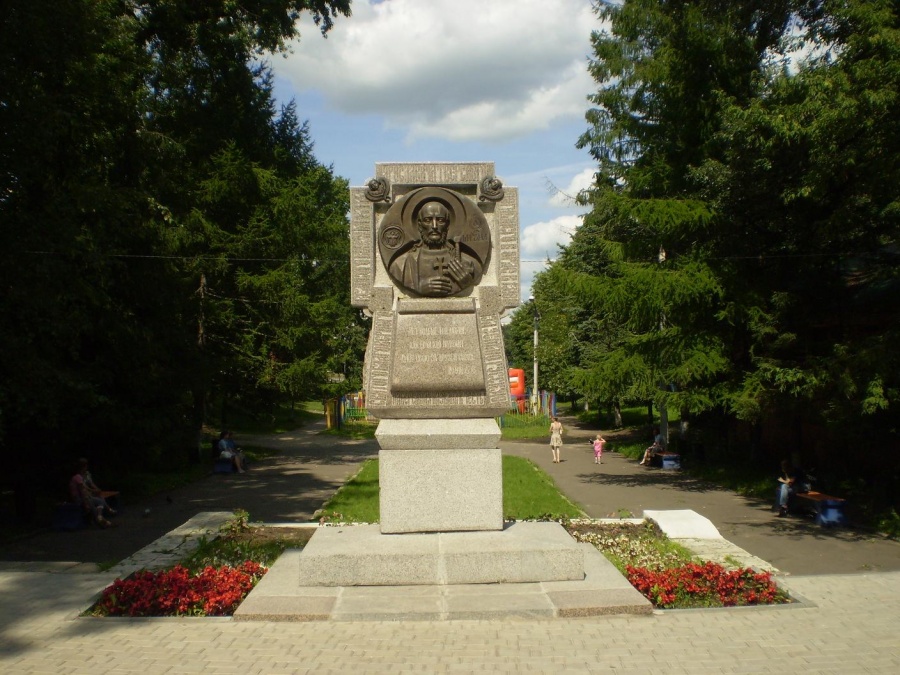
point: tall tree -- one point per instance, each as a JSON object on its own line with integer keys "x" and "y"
{"x": 115, "y": 117}
{"x": 810, "y": 177}
{"x": 743, "y": 226}
{"x": 665, "y": 71}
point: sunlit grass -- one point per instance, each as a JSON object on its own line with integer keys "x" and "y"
{"x": 528, "y": 493}
{"x": 357, "y": 499}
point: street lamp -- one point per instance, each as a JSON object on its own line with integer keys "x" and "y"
{"x": 535, "y": 395}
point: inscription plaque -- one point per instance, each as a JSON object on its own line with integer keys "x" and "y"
{"x": 437, "y": 352}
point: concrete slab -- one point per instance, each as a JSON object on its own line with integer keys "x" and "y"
{"x": 437, "y": 434}
{"x": 286, "y": 608}
{"x": 683, "y": 524}
{"x": 395, "y": 606}
{"x": 598, "y": 603}
{"x": 510, "y": 605}
{"x": 427, "y": 490}
{"x": 601, "y": 591}
{"x": 523, "y": 552}
{"x": 363, "y": 556}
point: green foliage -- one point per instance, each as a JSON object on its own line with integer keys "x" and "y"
{"x": 889, "y": 524}
{"x": 632, "y": 449}
{"x": 530, "y": 494}
{"x": 625, "y": 544}
{"x": 514, "y": 425}
{"x": 740, "y": 253}
{"x": 236, "y": 524}
{"x": 356, "y": 430}
{"x": 168, "y": 241}
{"x": 277, "y": 419}
{"x": 357, "y": 499}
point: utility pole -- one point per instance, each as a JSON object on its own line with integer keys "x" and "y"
{"x": 535, "y": 392}
{"x": 663, "y": 411}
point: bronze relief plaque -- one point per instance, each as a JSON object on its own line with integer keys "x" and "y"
{"x": 434, "y": 242}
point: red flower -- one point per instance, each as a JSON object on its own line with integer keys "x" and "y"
{"x": 704, "y": 585}
{"x": 175, "y": 592}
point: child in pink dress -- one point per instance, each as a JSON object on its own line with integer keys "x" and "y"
{"x": 598, "y": 449}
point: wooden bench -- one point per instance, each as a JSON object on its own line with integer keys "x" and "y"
{"x": 224, "y": 465}
{"x": 828, "y": 509}
{"x": 666, "y": 460}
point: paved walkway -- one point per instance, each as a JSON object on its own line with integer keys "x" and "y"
{"x": 619, "y": 485}
{"x": 847, "y": 624}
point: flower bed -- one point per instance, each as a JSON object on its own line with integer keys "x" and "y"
{"x": 705, "y": 585}
{"x": 666, "y": 573}
{"x": 178, "y": 592}
{"x": 213, "y": 581}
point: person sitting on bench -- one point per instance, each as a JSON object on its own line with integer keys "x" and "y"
{"x": 792, "y": 481}
{"x": 90, "y": 500}
{"x": 228, "y": 450}
{"x": 651, "y": 452}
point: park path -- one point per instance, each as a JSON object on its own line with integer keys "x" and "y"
{"x": 847, "y": 623}
{"x": 311, "y": 466}
{"x": 620, "y": 485}
{"x": 289, "y": 487}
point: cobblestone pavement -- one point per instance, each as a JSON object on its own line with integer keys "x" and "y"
{"x": 848, "y": 625}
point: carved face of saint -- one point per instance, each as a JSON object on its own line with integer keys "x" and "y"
{"x": 433, "y": 223}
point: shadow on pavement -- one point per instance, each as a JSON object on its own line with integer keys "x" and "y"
{"x": 288, "y": 487}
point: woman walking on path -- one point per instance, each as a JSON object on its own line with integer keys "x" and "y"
{"x": 556, "y": 430}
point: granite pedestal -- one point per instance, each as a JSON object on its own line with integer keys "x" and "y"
{"x": 440, "y": 475}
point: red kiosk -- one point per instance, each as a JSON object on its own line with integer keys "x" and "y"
{"x": 517, "y": 387}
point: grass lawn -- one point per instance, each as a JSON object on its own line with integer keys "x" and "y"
{"x": 528, "y": 493}
{"x": 356, "y": 430}
{"x": 521, "y": 433}
{"x": 279, "y": 419}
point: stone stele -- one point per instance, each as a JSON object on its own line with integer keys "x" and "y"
{"x": 435, "y": 262}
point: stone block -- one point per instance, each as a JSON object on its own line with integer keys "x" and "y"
{"x": 438, "y": 434}
{"x": 363, "y": 556}
{"x": 445, "y": 490}
{"x": 523, "y": 552}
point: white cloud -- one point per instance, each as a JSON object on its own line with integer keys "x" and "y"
{"x": 541, "y": 241}
{"x": 452, "y": 69}
{"x": 565, "y": 196}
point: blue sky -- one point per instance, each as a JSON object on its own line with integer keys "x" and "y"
{"x": 455, "y": 80}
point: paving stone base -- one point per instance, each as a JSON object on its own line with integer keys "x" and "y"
{"x": 441, "y": 475}
{"x": 602, "y": 590}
